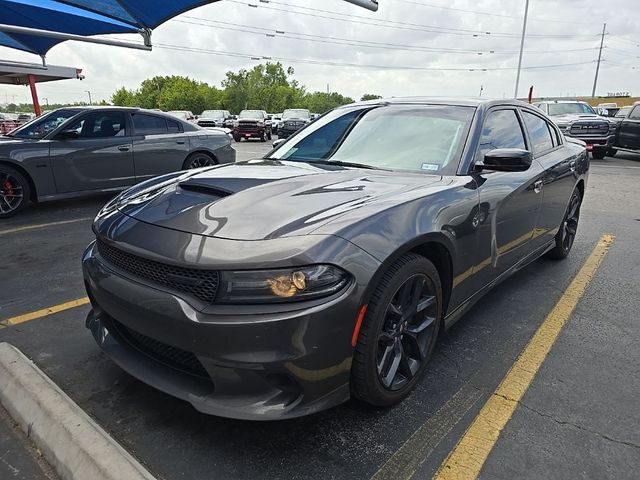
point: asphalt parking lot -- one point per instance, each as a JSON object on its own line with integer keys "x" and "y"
{"x": 578, "y": 419}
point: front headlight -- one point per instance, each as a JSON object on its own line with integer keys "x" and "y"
{"x": 282, "y": 285}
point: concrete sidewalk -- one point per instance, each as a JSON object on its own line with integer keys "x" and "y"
{"x": 19, "y": 460}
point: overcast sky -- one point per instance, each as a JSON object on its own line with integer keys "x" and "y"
{"x": 558, "y": 33}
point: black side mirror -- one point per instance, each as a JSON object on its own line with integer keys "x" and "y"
{"x": 507, "y": 160}
{"x": 279, "y": 142}
{"x": 68, "y": 135}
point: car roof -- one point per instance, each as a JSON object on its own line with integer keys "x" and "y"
{"x": 452, "y": 101}
{"x": 562, "y": 101}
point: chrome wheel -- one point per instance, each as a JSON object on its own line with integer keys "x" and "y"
{"x": 11, "y": 193}
{"x": 407, "y": 332}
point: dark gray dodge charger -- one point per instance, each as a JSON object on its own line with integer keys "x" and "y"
{"x": 81, "y": 150}
{"x": 279, "y": 287}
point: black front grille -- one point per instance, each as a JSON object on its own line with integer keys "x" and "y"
{"x": 589, "y": 128}
{"x": 207, "y": 123}
{"x": 171, "y": 356}
{"x": 202, "y": 284}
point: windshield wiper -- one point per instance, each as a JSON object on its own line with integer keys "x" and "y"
{"x": 347, "y": 164}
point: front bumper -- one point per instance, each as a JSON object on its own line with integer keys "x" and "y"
{"x": 599, "y": 142}
{"x": 249, "y": 133}
{"x": 253, "y": 363}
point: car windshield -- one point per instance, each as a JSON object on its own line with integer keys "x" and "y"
{"x": 570, "y": 109}
{"x": 44, "y": 125}
{"x": 213, "y": 114}
{"x": 423, "y": 138}
{"x": 623, "y": 112}
{"x": 303, "y": 114}
{"x": 251, "y": 114}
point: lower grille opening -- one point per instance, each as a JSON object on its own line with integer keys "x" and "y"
{"x": 170, "y": 356}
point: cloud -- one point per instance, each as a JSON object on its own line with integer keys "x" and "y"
{"x": 107, "y": 68}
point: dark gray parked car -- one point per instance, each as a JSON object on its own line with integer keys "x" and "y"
{"x": 279, "y": 287}
{"x": 75, "y": 151}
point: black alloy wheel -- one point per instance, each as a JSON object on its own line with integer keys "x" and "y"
{"x": 568, "y": 229}
{"x": 198, "y": 160}
{"x": 14, "y": 192}
{"x": 399, "y": 332}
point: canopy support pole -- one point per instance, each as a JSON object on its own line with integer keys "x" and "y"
{"x": 69, "y": 36}
{"x": 34, "y": 95}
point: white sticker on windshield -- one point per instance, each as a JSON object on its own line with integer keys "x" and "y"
{"x": 432, "y": 167}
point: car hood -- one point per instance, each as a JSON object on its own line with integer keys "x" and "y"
{"x": 570, "y": 118}
{"x": 266, "y": 199}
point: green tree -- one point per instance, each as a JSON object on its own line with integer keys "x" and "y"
{"x": 370, "y": 96}
{"x": 124, "y": 98}
{"x": 321, "y": 102}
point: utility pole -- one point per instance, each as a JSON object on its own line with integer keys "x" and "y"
{"x": 90, "y": 102}
{"x": 595, "y": 80}
{"x": 481, "y": 90}
{"x": 524, "y": 31}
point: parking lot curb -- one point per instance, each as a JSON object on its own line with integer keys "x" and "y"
{"x": 75, "y": 446}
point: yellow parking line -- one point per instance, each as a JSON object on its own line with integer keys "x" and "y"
{"x": 467, "y": 458}
{"x": 27, "y": 317}
{"x": 43, "y": 225}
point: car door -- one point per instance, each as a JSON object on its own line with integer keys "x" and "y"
{"x": 629, "y": 130}
{"x": 159, "y": 145}
{"x": 509, "y": 201}
{"x": 93, "y": 153}
{"x": 558, "y": 179}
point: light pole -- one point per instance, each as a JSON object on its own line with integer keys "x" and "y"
{"x": 90, "y": 103}
{"x": 524, "y": 31}
{"x": 595, "y": 80}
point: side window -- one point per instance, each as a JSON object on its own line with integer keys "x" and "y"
{"x": 174, "y": 127}
{"x": 635, "y": 113}
{"x": 501, "y": 130}
{"x": 100, "y": 125}
{"x": 538, "y": 132}
{"x": 149, "y": 124}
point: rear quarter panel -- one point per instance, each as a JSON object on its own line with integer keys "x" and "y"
{"x": 219, "y": 145}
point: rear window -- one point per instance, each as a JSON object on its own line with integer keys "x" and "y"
{"x": 539, "y": 133}
{"x": 149, "y": 124}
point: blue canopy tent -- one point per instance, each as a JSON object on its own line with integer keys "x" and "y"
{"x": 35, "y": 26}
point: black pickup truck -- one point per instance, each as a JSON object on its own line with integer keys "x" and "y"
{"x": 628, "y": 133}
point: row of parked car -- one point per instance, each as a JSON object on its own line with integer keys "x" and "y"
{"x": 11, "y": 121}
{"x": 603, "y": 134}
{"x": 256, "y": 123}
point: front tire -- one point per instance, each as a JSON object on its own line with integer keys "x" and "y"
{"x": 599, "y": 154}
{"x": 398, "y": 333}
{"x": 237, "y": 138}
{"x": 14, "y": 192}
{"x": 567, "y": 233}
{"x": 612, "y": 152}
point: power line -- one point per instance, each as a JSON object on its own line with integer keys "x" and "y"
{"x": 278, "y": 33}
{"x": 514, "y": 17}
{"x": 357, "y": 65}
{"x": 342, "y": 17}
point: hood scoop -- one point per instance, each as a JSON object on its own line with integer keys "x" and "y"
{"x": 220, "y": 187}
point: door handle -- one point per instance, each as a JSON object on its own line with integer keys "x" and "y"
{"x": 537, "y": 187}
{"x": 124, "y": 148}
{"x": 180, "y": 142}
